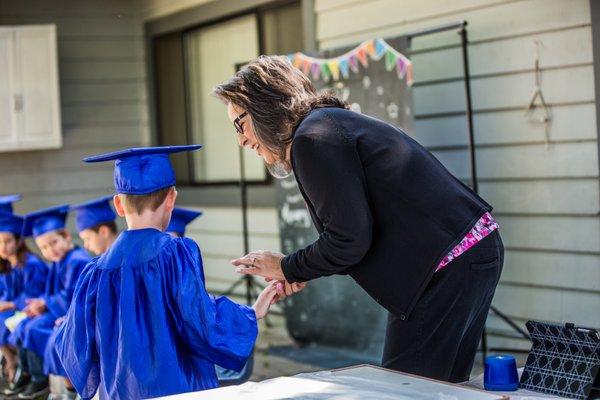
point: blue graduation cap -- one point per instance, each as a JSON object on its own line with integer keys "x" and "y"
{"x": 93, "y": 212}
{"x": 11, "y": 223}
{"x": 180, "y": 218}
{"x": 142, "y": 170}
{"x": 6, "y": 202}
{"x": 49, "y": 219}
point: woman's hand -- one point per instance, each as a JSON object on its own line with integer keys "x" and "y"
{"x": 266, "y": 298}
{"x": 262, "y": 263}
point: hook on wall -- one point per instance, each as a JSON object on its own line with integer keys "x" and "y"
{"x": 537, "y": 94}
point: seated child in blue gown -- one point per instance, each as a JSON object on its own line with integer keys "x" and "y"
{"x": 142, "y": 324}
{"x": 180, "y": 218}
{"x": 95, "y": 223}
{"x": 22, "y": 276}
{"x": 67, "y": 261}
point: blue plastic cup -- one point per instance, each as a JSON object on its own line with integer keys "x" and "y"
{"x": 500, "y": 374}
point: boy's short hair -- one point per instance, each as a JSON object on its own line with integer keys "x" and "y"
{"x": 139, "y": 202}
{"x": 111, "y": 225}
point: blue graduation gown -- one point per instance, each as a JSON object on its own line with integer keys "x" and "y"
{"x": 33, "y": 333}
{"x": 142, "y": 324}
{"x": 19, "y": 284}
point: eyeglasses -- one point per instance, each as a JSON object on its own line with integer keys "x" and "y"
{"x": 237, "y": 124}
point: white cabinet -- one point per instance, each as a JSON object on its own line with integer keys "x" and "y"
{"x": 29, "y": 88}
{"x": 7, "y": 90}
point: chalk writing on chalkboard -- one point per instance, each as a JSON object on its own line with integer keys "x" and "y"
{"x": 295, "y": 224}
{"x": 297, "y": 218}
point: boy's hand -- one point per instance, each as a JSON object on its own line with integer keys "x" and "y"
{"x": 35, "y": 307}
{"x": 6, "y": 305}
{"x": 267, "y": 297}
{"x": 288, "y": 289}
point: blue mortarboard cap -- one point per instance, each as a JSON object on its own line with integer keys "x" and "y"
{"x": 6, "y": 202}
{"x": 93, "y": 212}
{"x": 42, "y": 221}
{"x": 180, "y": 218}
{"x": 10, "y": 222}
{"x": 142, "y": 170}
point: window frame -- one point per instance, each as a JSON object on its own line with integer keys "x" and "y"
{"x": 191, "y": 169}
{"x": 199, "y": 17}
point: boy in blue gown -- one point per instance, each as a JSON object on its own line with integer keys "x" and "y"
{"x": 48, "y": 229}
{"x": 22, "y": 276}
{"x": 95, "y": 223}
{"x": 142, "y": 324}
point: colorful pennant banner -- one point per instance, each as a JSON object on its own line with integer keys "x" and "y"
{"x": 339, "y": 67}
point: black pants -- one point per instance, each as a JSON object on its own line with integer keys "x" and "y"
{"x": 440, "y": 338}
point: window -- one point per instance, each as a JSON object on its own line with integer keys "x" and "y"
{"x": 188, "y": 64}
{"x": 212, "y": 54}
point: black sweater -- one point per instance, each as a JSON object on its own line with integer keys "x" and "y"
{"x": 387, "y": 211}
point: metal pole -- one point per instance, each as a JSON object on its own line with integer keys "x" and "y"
{"x": 469, "y": 111}
{"x": 244, "y": 200}
{"x": 440, "y": 28}
{"x": 464, "y": 42}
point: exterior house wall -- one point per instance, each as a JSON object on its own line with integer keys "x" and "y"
{"x": 545, "y": 195}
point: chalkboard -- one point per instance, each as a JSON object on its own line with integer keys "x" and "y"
{"x": 335, "y": 311}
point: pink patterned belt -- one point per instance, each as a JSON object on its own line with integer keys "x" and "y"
{"x": 486, "y": 225}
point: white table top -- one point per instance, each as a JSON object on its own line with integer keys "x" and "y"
{"x": 362, "y": 382}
